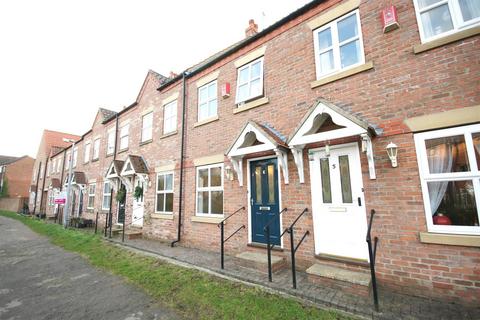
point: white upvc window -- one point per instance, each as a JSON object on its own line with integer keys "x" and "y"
{"x": 111, "y": 142}
{"x": 51, "y": 198}
{"x": 96, "y": 149}
{"x": 439, "y": 18}
{"x": 207, "y": 101}
{"x": 124, "y": 136}
{"x": 449, "y": 165}
{"x": 67, "y": 161}
{"x": 48, "y": 169}
{"x": 59, "y": 163}
{"x": 86, "y": 152}
{"x": 91, "y": 195}
{"x": 164, "y": 193}
{"x": 54, "y": 165}
{"x": 209, "y": 190}
{"x": 107, "y": 195}
{"x": 147, "y": 127}
{"x": 250, "y": 81}
{"x": 170, "y": 117}
{"x": 74, "y": 156}
{"x": 338, "y": 45}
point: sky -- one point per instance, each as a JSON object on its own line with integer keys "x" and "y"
{"x": 62, "y": 60}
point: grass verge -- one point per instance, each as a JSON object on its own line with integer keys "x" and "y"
{"x": 191, "y": 293}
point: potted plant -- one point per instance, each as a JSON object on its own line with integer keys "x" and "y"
{"x": 138, "y": 192}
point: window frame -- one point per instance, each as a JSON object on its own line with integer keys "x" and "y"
{"x": 142, "y": 134}
{"x": 96, "y": 149}
{"x": 262, "y": 76}
{"x": 455, "y": 14}
{"x": 425, "y": 175}
{"x": 124, "y": 137}
{"x": 74, "y": 157}
{"x": 209, "y": 99}
{"x": 172, "y": 191}
{"x": 91, "y": 195}
{"x": 86, "y": 152}
{"x": 110, "y": 142}
{"x": 335, "y": 47}
{"x": 165, "y": 119}
{"x": 209, "y": 189}
{"x": 106, "y": 194}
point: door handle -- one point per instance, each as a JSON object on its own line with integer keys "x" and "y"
{"x": 359, "y": 201}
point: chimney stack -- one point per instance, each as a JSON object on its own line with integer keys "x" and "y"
{"x": 252, "y": 29}
{"x": 172, "y": 75}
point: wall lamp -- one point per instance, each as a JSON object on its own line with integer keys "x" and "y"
{"x": 229, "y": 173}
{"x": 392, "y": 151}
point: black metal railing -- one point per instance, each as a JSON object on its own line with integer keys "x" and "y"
{"x": 270, "y": 246}
{"x": 372, "y": 254}
{"x": 221, "y": 225}
{"x": 293, "y": 248}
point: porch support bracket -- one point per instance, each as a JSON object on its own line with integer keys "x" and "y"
{"x": 368, "y": 149}
{"x": 283, "y": 162}
{"x": 297, "y": 152}
{"x": 237, "y": 163}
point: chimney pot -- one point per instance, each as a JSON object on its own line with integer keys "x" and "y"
{"x": 252, "y": 28}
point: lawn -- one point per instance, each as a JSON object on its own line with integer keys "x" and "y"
{"x": 191, "y": 293}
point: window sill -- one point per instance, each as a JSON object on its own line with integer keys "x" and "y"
{"x": 122, "y": 151}
{"x": 95, "y": 160}
{"x": 145, "y": 142}
{"x": 252, "y": 104}
{"x": 342, "y": 74}
{"x": 212, "y": 220}
{"x": 109, "y": 155}
{"x": 450, "y": 239}
{"x": 169, "y": 134}
{"x": 163, "y": 216}
{"x": 208, "y": 120}
{"x": 86, "y": 162}
{"x": 419, "y": 48}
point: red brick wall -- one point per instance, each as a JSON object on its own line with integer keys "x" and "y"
{"x": 19, "y": 175}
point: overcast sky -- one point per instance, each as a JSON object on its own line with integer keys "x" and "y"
{"x": 62, "y": 60}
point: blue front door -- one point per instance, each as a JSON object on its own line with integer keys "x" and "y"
{"x": 264, "y": 200}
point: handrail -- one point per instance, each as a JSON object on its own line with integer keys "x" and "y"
{"x": 372, "y": 254}
{"x": 273, "y": 218}
{"x": 299, "y": 216}
{"x": 221, "y": 225}
{"x": 234, "y": 213}
{"x": 293, "y": 248}
{"x": 266, "y": 231}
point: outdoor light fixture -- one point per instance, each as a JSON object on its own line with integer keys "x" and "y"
{"x": 327, "y": 150}
{"x": 229, "y": 173}
{"x": 392, "y": 153}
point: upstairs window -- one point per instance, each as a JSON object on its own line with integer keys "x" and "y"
{"x": 170, "y": 117}
{"x": 147, "y": 122}
{"x": 449, "y": 164}
{"x": 124, "y": 137}
{"x": 86, "y": 153}
{"x": 110, "y": 142}
{"x": 338, "y": 45}
{"x": 207, "y": 101}
{"x": 438, "y": 18}
{"x": 250, "y": 81}
{"x": 96, "y": 149}
{"x": 67, "y": 161}
{"x": 74, "y": 156}
{"x": 54, "y": 165}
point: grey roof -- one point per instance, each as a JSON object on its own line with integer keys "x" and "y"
{"x": 106, "y": 114}
{"x": 7, "y": 159}
{"x": 160, "y": 77}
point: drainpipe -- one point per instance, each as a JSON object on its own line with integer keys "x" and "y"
{"x": 63, "y": 165}
{"x": 43, "y": 185}
{"x": 36, "y": 189}
{"x": 110, "y": 215}
{"x": 182, "y": 154}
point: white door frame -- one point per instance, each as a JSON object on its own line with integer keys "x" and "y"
{"x": 249, "y": 192}
{"x": 138, "y": 223}
{"x": 314, "y": 201}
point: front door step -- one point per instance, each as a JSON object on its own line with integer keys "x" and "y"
{"x": 259, "y": 261}
{"x": 354, "y": 282}
{"x": 133, "y": 234}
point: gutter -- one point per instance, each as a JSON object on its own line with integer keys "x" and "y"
{"x": 182, "y": 155}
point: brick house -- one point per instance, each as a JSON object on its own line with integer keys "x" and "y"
{"x": 14, "y": 181}
{"x": 300, "y": 116}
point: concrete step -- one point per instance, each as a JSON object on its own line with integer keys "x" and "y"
{"x": 133, "y": 234}
{"x": 354, "y": 282}
{"x": 259, "y": 261}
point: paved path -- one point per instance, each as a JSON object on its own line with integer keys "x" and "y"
{"x": 39, "y": 280}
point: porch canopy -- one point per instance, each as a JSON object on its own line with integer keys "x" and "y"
{"x": 134, "y": 166}
{"x": 113, "y": 172}
{"x": 78, "y": 179}
{"x": 325, "y": 121}
{"x": 254, "y": 138}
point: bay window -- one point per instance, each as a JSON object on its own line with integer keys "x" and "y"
{"x": 449, "y": 164}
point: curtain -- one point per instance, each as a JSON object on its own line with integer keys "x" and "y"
{"x": 440, "y": 162}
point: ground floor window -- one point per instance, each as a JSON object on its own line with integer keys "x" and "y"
{"x": 164, "y": 198}
{"x": 91, "y": 196}
{"x": 449, "y": 164}
{"x": 107, "y": 195}
{"x": 210, "y": 190}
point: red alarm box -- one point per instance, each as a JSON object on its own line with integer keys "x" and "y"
{"x": 389, "y": 19}
{"x": 226, "y": 90}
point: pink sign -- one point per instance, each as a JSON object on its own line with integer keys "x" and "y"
{"x": 60, "y": 201}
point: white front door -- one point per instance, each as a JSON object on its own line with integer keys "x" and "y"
{"x": 338, "y": 204}
{"x": 137, "y": 218}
